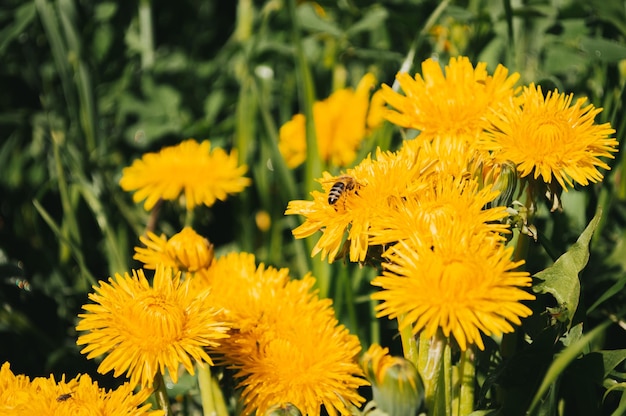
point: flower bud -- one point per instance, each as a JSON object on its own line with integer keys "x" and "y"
{"x": 396, "y": 385}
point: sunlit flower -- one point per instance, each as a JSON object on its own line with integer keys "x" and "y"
{"x": 462, "y": 284}
{"x": 15, "y": 391}
{"x": 552, "y": 137}
{"x": 453, "y": 201}
{"x": 189, "y": 168}
{"x": 144, "y": 329}
{"x": 341, "y": 124}
{"x": 454, "y": 102}
{"x": 44, "y": 396}
{"x": 185, "y": 251}
{"x": 286, "y": 345}
{"x": 377, "y": 184}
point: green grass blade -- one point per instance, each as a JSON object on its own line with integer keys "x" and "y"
{"x": 563, "y": 360}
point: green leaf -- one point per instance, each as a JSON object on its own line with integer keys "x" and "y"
{"x": 610, "y": 292}
{"x": 24, "y": 15}
{"x": 603, "y": 49}
{"x": 561, "y": 279}
{"x": 611, "y": 359}
{"x": 311, "y": 21}
{"x": 372, "y": 19}
{"x": 561, "y": 362}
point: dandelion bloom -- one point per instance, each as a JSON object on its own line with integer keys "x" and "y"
{"x": 454, "y": 102}
{"x": 551, "y": 137}
{"x": 189, "y": 168}
{"x": 44, "y": 396}
{"x": 448, "y": 200}
{"x": 392, "y": 176}
{"x": 462, "y": 284}
{"x": 341, "y": 124}
{"x": 185, "y": 251}
{"x": 286, "y": 345}
{"x": 144, "y": 329}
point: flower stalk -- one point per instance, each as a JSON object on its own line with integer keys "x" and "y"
{"x": 160, "y": 394}
{"x": 213, "y": 403}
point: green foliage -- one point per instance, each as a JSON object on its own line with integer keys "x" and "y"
{"x": 90, "y": 86}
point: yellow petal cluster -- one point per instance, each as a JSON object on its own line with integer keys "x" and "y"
{"x": 460, "y": 283}
{"x": 185, "y": 251}
{"x": 144, "y": 329}
{"x": 286, "y": 346}
{"x": 342, "y": 121}
{"x": 189, "y": 169}
{"x": 454, "y": 100}
{"x": 551, "y": 137}
{"x": 19, "y": 396}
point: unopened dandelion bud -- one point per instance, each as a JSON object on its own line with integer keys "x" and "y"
{"x": 397, "y": 387}
{"x": 504, "y": 178}
{"x": 286, "y": 409}
{"x": 190, "y": 250}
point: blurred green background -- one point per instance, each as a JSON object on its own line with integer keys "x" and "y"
{"x": 87, "y": 87}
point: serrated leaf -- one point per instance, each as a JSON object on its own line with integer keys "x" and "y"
{"x": 561, "y": 279}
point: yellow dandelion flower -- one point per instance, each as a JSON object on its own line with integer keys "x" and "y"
{"x": 454, "y": 102}
{"x": 375, "y": 184}
{"x": 552, "y": 137}
{"x": 15, "y": 391}
{"x": 243, "y": 275}
{"x": 448, "y": 200}
{"x": 185, "y": 251}
{"x": 463, "y": 284}
{"x": 145, "y": 329}
{"x": 81, "y": 395}
{"x": 190, "y": 168}
{"x": 44, "y": 396}
{"x": 341, "y": 123}
{"x": 286, "y": 344}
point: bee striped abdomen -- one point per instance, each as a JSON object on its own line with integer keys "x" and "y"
{"x": 335, "y": 192}
{"x": 345, "y": 183}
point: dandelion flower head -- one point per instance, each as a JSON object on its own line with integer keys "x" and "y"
{"x": 551, "y": 137}
{"x": 143, "y": 329}
{"x": 191, "y": 169}
{"x": 341, "y": 124}
{"x": 185, "y": 251}
{"x": 455, "y": 100}
{"x": 44, "y": 396}
{"x": 463, "y": 284}
{"x": 286, "y": 345}
{"x": 448, "y": 200}
{"x": 377, "y": 183}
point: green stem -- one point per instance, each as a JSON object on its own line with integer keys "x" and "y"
{"x": 430, "y": 366}
{"x": 307, "y": 98}
{"x": 160, "y": 394}
{"x": 213, "y": 403}
{"x": 189, "y": 214}
{"x": 467, "y": 373}
{"x": 145, "y": 34}
{"x": 409, "y": 344}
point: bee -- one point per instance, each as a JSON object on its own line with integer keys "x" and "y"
{"x": 344, "y": 183}
{"x": 64, "y": 397}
